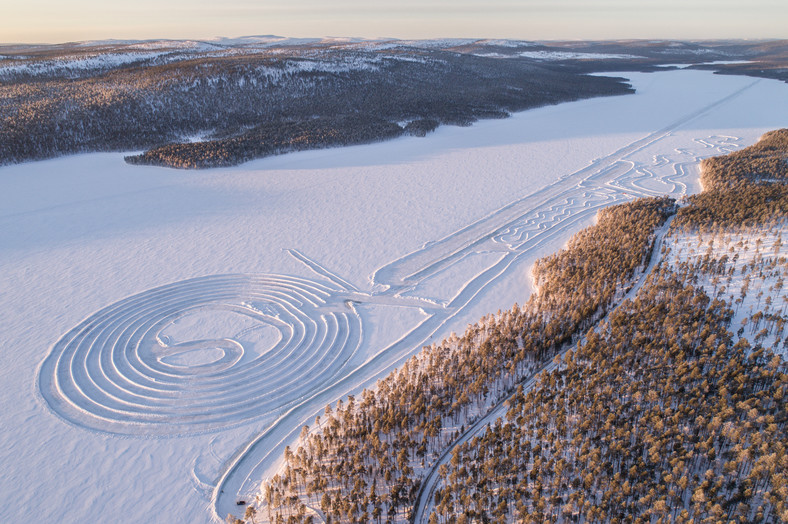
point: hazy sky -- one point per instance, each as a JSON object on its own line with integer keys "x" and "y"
{"x": 69, "y": 20}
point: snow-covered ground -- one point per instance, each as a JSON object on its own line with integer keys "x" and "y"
{"x": 749, "y": 273}
{"x": 73, "y": 64}
{"x": 161, "y": 328}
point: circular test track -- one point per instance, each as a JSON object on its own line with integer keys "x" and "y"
{"x": 119, "y": 372}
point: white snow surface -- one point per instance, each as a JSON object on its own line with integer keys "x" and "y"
{"x": 306, "y": 276}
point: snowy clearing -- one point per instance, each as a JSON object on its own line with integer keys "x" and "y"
{"x": 431, "y": 233}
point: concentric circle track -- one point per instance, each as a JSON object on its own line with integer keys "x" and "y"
{"x": 254, "y": 345}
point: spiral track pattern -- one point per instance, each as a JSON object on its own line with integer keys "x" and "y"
{"x": 112, "y": 373}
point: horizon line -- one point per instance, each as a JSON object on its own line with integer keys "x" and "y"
{"x": 218, "y": 39}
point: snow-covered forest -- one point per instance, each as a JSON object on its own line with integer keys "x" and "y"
{"x": 201, "y": 106}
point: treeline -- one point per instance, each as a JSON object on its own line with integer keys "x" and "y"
{"x": 271, "y": 139}
{"x": 589, "y": 271}
{"x": 766, "y": 162}
{"x": 244, "y": 96}
{"x": 364, "y": 459}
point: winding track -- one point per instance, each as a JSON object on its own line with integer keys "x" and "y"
{"x": 116, "y": 372}
{"x": 614, "y": 172}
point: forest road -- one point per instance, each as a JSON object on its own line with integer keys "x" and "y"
{"x": 431, "y": 481}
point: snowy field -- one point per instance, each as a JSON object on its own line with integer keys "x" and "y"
{"x": 167, "y": 332}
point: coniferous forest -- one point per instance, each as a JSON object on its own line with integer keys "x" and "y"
{"x": 226, "y": 106}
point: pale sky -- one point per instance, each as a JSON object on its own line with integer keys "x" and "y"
{"x": 53, "y": 21}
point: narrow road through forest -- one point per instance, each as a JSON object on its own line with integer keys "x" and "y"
{"x": 424, "y": 501}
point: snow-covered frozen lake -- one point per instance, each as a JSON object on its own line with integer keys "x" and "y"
{"x": 165, "y": 333}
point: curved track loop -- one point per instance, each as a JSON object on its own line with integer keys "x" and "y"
{"x": 119, "y": 372}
